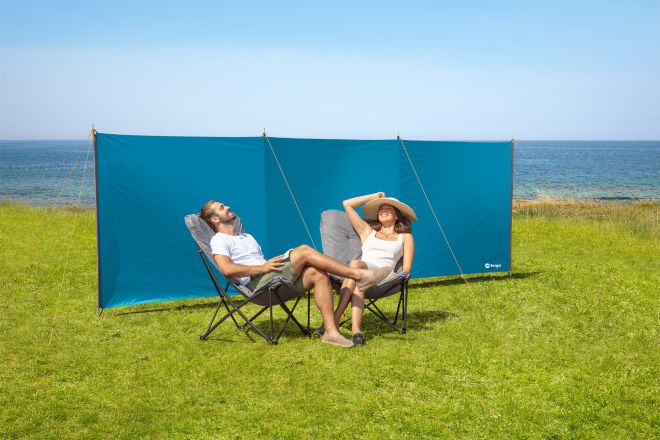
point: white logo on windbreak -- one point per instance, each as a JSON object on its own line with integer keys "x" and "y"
{"x": 492, "y": 266}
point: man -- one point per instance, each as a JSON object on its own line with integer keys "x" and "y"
{"x": 239, "y": 256}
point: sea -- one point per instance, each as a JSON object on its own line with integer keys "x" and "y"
{"x": 62, "y": 172}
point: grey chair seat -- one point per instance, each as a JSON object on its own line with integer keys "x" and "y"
{"x": 386, "y": 287}
{"x": 286, "y": 291}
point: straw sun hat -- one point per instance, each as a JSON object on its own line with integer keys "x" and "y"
{"x": 370, "y": 209}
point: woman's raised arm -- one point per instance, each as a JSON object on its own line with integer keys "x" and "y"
{"x": 361, "y": 227}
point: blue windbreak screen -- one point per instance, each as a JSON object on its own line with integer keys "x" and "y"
{"x": 147, "y": 184}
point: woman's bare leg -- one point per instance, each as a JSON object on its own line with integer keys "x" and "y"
{"x": 346, "y": 291}
{"x": 357, "y": 310}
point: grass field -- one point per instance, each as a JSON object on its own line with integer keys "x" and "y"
{"x": 567, "y": 348}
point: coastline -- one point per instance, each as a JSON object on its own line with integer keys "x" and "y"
{"x": 517, "y": 203}
{"x": 52, "y": 172}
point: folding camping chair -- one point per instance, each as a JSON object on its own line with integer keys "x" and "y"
{"x": 274, "y": 293}
{"x": 341, "y": 242}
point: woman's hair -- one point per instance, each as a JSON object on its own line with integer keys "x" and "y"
{"x": 402, "y": 225}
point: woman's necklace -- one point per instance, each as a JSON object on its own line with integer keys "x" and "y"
{"x": 387, "y": 235}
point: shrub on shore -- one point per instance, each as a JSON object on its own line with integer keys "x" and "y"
{"x": 639, "y": 217}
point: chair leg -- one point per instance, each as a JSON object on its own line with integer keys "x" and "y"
{"x": 256, "y": 315}
{"x": 218, "y": 289}
{"x": 309, "y": 328}
{"x": 211, "y": 329}
{"x": 217, "y": 286}
{"x": 230, "y": 314}
{"x": 272, "y": 327}
{"x": 398, "y": 307}
{"x": 289, "y": 316}
{"x": 405, "y": 310}
{"x": 206, "y": 333}
{"x": 237, "y": 309}
{"x": 227, "y": 307}
{"x": 373, "y": 308}
{"x": 402, "y": 307}
{"x": 401, "y": 299}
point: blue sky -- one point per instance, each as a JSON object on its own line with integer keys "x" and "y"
{"x": 340, "y": 69}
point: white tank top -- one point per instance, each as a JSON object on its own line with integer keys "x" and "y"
{"x": 379, "y": 253}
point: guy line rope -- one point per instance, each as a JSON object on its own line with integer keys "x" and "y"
{"x": 428, "y": 201}
{"x": 70, "y": 240}
{"x": 289, "y": 188}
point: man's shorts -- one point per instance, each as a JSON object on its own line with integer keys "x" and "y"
{"x": 287, "y": 272}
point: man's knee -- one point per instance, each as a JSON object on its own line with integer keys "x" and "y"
{"x": 303, "y": 248}
{"x": 302, "y": 251}
{"x": 316, "y": 275}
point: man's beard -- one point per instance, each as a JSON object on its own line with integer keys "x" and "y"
{"x": 230, "y": 219}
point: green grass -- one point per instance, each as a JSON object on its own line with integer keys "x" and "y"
{"x": 568, "y": 348}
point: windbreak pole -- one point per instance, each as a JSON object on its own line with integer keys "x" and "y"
{"x": 99, "y": 309}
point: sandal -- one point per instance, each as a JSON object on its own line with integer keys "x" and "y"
{"x": 358, "y": 339}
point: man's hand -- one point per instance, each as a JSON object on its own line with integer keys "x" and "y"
{"x": 380, "y": 195}
{"x": 274, "y": 264}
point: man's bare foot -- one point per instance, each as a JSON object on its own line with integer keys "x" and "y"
{"x": 372, "y": 277}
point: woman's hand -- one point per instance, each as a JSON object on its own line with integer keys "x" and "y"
{"x": 361, "y": 200}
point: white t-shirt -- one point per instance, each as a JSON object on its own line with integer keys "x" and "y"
{"x": 241, "y": 249}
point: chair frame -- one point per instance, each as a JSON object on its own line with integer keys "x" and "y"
{"x": 370, "y": 304}
{"x": 274, "y": 298}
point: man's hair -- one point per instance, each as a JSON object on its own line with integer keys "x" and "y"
{"x": 208, "y": 211}
{"x": 402, "y": 225}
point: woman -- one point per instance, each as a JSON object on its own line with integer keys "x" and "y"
{"x": 386, "y": 236}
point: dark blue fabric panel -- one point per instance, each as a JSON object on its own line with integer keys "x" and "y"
{"x": 321, "y": 174}
{"x": 146, "y": 185}
{"x": 469, "y": 186}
